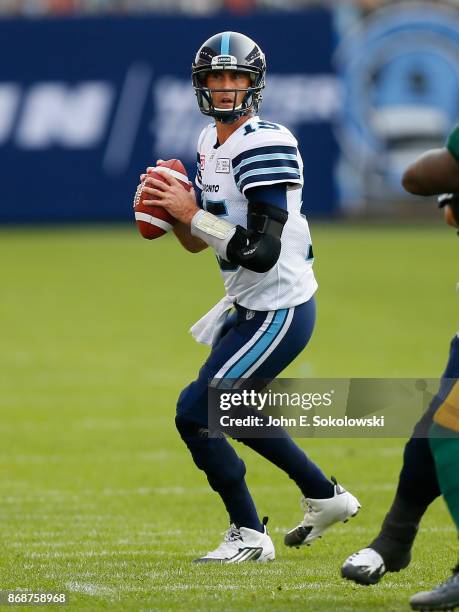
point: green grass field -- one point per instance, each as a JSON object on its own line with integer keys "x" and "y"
{"x": 99, "y": 497}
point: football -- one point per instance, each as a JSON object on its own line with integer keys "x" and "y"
{"x": 154, "y": 221}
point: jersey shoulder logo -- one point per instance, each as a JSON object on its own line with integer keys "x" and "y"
{"x": 202, "y": 161}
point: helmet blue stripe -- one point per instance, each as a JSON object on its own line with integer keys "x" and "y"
{"x": 224, "y": 47}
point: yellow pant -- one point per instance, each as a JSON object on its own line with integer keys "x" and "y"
{"x": 447, "y": 414}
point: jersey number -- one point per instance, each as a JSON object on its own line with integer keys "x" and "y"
{"x": 261, "y": 125}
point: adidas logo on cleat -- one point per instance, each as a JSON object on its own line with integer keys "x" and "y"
{"x": 240, "y": 545}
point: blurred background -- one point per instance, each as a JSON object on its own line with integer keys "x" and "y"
{"x": 99, "y": 495}
{"x": 95, "y": 90}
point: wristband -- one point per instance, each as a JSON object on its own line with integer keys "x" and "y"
{"x": 213, "y": 231}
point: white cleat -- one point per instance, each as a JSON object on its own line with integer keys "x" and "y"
{"x": 364, "y": 567}
{"x": 241, "y": 545}
{"x": 321, "y": 514}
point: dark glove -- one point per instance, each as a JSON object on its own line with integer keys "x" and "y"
{"x": 450, "y": 200}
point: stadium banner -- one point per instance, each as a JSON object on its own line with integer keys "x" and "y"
{"x": 87, "y": 104}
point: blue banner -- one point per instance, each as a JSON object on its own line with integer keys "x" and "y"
{"x": 87, "y": 104}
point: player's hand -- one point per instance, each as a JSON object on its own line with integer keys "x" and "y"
{"x": 179, "y": 202}
{"x": 449, "y": 202}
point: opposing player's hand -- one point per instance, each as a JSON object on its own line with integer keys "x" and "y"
{"x": 170, "y": 194}
{"x": 449, "y": 202}
{"x": 450, "y": 217}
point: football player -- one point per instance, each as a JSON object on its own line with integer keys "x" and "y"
{"x": 431, "y": 459}
{"x": 247, "y": 208}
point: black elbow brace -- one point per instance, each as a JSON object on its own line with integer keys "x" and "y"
{"x": 258, "y": 247}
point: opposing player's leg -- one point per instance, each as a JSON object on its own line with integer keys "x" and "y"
{"x": 444, "y": 442}
{"x": 418, "y": 486}
{"x": 390, "y": 551}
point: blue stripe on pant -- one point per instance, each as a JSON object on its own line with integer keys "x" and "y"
{"x": 261, "y": 345}
{"x": 248, "y": 358}
{"x": 251, "y": 335}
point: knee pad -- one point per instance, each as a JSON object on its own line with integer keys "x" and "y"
{"x": 214, "y": 456}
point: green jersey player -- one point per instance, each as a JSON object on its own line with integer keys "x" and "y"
{"x": 431, "y": 458}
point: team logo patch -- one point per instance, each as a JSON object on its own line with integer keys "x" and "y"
{"x": 223, "y": 166}
{"x": 202, "y": 158}
{"x": 249, "y": 315}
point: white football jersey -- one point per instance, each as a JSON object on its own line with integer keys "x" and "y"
{"x": 259, "y": 153}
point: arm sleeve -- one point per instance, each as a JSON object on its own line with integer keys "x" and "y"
{"x": 274, "y": 195}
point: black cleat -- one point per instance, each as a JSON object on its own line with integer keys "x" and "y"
{"x": 364, "y": 567}
{"x": 367, "y": 566}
